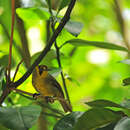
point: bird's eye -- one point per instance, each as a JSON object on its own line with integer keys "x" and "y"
{"x": 44, "y": 68}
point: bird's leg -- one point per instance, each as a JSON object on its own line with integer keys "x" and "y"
{"x": 36, "y": 95}
{"x": 49, "y": 99}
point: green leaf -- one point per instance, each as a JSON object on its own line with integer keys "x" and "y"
{"x": 95, "y": 118}
{"x": 126, "y": 81}
{"x": 63, "y": 4}
{"x": 51, "y": 55}
{"x": 3, "y": 128}
{"x": 31, "y": 14}
{"x": 105, "y": 45}
{"x": 103, "y": 103}
{"x": 123, "y": 124}
{"x": 108, "y": 127}
{"x": 68, "y": 121}
{"x": 4, "y": 61}
{"x": 74, "y": 27}
{"x": 20, "y": 118}
{"x": 55, "y": 72}
{"x": 126, "y": 103}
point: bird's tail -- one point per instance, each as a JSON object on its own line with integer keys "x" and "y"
{"x": 66, "y": 106}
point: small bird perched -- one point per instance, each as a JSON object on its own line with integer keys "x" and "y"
{"x": 47, "y": 86}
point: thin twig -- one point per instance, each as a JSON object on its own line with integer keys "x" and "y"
{"x": 17, "y": 70}
{"x": 11, "y": 40}
{"x": 58, "y": 58}
{"x": 50, "y": 108}
{"x": 23, "y": 37}
{"x": 44, "y": 52}
{"x": 47, "y": 48}
{"x": 62, "y": 75}
{"x": 118, "y": 10}
{"x": 21, "y": 91}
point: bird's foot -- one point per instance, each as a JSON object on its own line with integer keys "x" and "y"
{"x": 35, "y": 95}
{"x": 49, "y": 99}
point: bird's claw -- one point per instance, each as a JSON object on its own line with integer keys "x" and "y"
{"x": 35, "y": 95}
{"x": 49, "y": 99}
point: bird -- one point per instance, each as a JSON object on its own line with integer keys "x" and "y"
{"x": 47, "y": 86}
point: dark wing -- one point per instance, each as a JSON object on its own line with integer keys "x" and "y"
{"x": 51, "y": 80}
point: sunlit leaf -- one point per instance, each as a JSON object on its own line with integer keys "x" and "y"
{"x": 103, "y": 103}
{"x": 68, "y": 121}
{"x": 95, "y": 118}
{"x": 105, "y": 45}
{"x": 123, "y": 124}
{"x": 63, "y": 4}
{"x": 28, "y": 14}
{"x": 20, "y": 118}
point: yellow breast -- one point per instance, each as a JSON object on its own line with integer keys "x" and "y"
{"x": 42, "y": 87}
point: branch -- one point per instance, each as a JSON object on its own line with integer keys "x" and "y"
{"x": 11, "y": 39}
{"x": 44, "y": 52}
{"x": 23, "y": 37}
{"x": 58, "y": 57}
{"x": 48, "y": 46}
{"x": 62, "y": 75}
{"x": 118, "y": 10}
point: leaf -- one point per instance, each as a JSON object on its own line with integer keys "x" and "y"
{"x": 51, "y": 55}
{"x": 126, "y": 61}
{"x": 126, "y": 103}
{"x": 103, "y": 103}
{"x": 74, "y": 27}
{"x": 108, "y": 127}
{"x": 4, "y": 61}
{"x": 95, "y": 118}
{"x": 20, "y": 118}
{"x": 126, "y": 81}
{"x": 68, "y": 121}
{"x": 3, "y": 128}
{"x": 55, "y": 72}
{"x": 63, "y": 4}
{"x": 31, "y": 14}
{"x": 123, "y": 124}
{"x": 105, "y": 45}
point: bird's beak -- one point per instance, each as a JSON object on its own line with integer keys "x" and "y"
{"x": 48, "y": 69}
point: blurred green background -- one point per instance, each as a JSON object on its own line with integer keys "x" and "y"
{"x": 90, "y": 72}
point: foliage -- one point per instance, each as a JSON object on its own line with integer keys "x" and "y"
{"x": 90, "y": 56}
